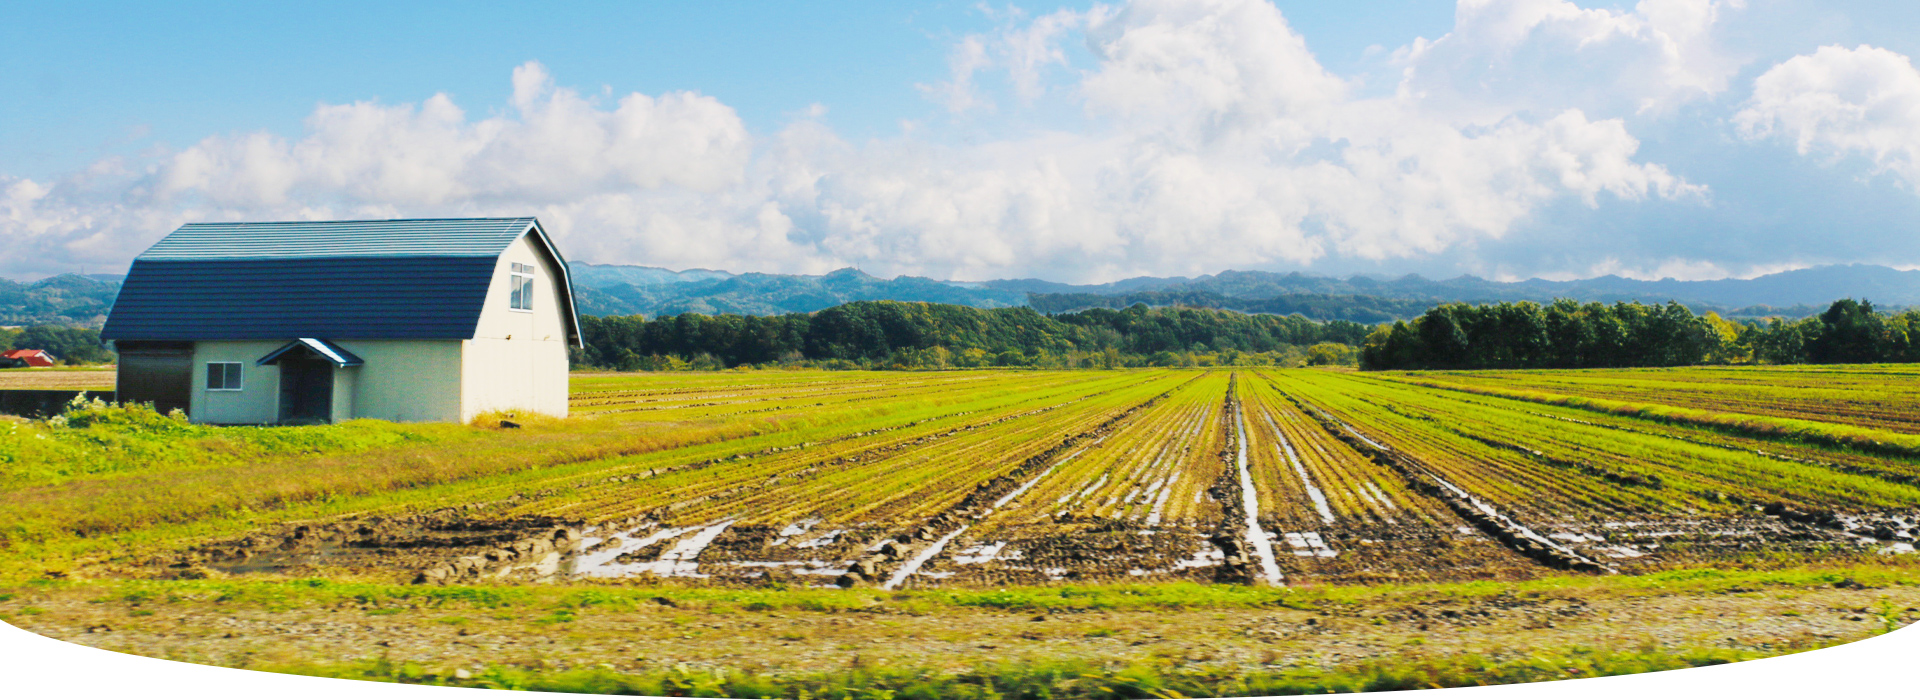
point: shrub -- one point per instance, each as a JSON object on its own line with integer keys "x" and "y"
{"x": 82, "y": 412}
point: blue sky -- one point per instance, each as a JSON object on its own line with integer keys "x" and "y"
{"x": 1070, "y": 141}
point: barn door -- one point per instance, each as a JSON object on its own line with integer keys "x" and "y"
{"x": 306, "y": 390}
{"x": 156, "y": 373}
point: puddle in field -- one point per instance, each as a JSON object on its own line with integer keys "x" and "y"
{"x": 982, "y": 553}
{"x": 604, "y": 564}
{"x": 794, "y": 530}
{"x": 679, "y": 560}
{"x": 1262, "y": 546}
{"x": 798, "y": 568}
{"x": 1309, "y": 544}
{"x": 920, "y": 559}
{"x": 1206, "y": 556}
{"x": 1107, "y": 549}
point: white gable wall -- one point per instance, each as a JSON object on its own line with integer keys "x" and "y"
{"x": 517, "y": 360}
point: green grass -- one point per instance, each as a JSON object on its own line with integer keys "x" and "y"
{"x": 581, "y": 598}
{"x": 97, "y": 439}
{"x": 1067, "y": 679}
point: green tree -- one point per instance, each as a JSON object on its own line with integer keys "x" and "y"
{"x": 71, "y": 345}
{"x": 1332, "y": 354}
{"x": 1849, "y": 331}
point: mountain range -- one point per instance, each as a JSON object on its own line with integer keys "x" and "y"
{"x": 68, "y": 300}
{"x": 624, "y": 289}
{"x": 612, "y": 290}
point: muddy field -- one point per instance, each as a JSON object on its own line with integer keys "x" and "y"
{"x": 911, "y": 519}
{"x": 1210, "y": 477}
{"x": 455, "y": 546}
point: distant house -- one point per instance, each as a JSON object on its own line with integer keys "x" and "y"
{"x": 325, "y": 321}
{"x": 26, "y": 358}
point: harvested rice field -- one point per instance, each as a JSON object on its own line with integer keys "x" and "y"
{"x": 1263, "y": 477}
{"x": 1208, "y": 525}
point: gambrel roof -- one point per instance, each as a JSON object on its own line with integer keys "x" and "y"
{"x": 394, "y": 279}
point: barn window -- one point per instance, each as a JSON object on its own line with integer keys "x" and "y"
{"x": 522, "y": 287}
{"x": 223, "y": 376}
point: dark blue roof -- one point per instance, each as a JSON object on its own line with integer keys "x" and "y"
{"x": 417, "y": 279}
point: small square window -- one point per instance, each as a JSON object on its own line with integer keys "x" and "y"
{"x": 223, "y": 376}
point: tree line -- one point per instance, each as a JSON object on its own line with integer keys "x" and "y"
{"x": 1568, "y": 334}
{"x": 71, "y": 345}
{"x": 892, "y": 334}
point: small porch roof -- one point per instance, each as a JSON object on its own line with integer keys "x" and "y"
{"x": 333, "y": 353}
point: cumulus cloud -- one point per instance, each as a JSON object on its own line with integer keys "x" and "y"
{"x": 1839, "y": 102}
{"x": 1508, "y": 55}
{"x": 1217, "y": 139}
{"x": 556, "y": 146}
{"x": 1212, "y": 138}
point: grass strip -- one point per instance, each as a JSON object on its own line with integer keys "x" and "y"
{"x": 1063, "y": 680}
{"x": 294, "y": 594}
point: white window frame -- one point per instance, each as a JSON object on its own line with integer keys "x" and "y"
{"x": 236, "y": 371}
{"x": 520, "y": 288}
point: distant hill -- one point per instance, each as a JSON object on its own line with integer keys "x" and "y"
{"x": 70, "y": 300}
{"x": 614, "y": 290}
{"x": 1813, "y": 287}
{"x": 622, "y": 290}
{"x": 1321, "y": 307}
{"x": 598, "y": 276}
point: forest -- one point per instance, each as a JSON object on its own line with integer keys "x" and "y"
{"x": 1567, "y": 334}
{"x": 891, "y": 334}
{"x": 1507, "y": 335}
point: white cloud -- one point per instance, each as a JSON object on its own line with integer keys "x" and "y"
{"x": 1511, "y": 55}
{"x": 558, "y": 146}
{"x": 1219, "y": 140}
{"x": 1209, "y": 68}
{"x": 1839, "y": 102}
{"x": 1213, "y": 138}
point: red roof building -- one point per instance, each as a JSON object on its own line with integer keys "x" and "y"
{"x": 30, "y": 358}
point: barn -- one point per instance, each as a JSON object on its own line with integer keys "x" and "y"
{"x": 324, "y": 321}
{"x": 26, "y": 357}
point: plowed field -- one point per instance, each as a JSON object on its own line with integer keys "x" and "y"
{"x": 1288, "y": 477}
